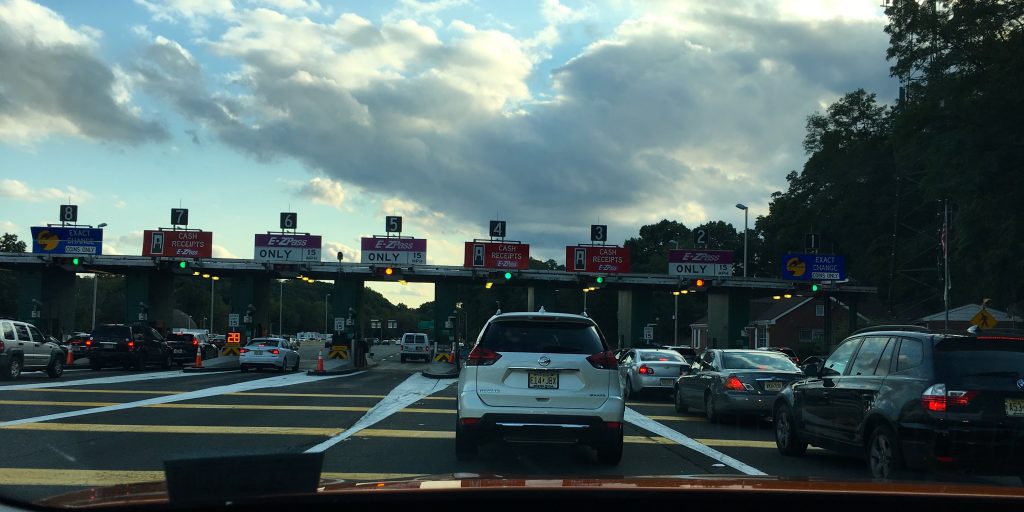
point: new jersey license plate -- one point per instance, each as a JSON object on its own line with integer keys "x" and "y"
{"x": 543, "y": 380}
{"x": 1014, "y": 407}
{"x": 773, "y": 386}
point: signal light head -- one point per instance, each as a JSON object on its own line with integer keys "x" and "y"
{"x": 182, "y": 265}
{"x": 75, "y": 261}
{"x": 814, "y": 287}
{"x": 508, "y": 275}
{"x": 600, "y": 279}
{"x": 389, "y": 271}
{"x": 700, "y": 283}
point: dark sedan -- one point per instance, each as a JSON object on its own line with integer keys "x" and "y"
{"x": 735, "y": 382}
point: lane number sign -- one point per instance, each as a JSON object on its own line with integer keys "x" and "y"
{"x": 69, "y": 213}
{"x": 598, "y": 233}
{"x": 700, "y": 237}
{"x": 393, "y": 224}
{"x": 289, "y": 220}
{"x": 497, "y": 229}
{"x": 179, "y": 216}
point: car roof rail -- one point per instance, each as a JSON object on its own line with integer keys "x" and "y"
{"x": 877, "y": 328}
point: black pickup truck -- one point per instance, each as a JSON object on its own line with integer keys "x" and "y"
{"x": 128, "y": 346}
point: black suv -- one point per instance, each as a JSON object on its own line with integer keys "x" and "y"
{"x": 904, "y": 396}
{"x": 130, "y": 346}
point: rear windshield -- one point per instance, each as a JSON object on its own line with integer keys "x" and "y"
{"x": 661, "y": 356}
{"x": 259, "y": 341}
{"x": 755, "y": 361}
{"x": 549, "y": 337}
{"x": 967, "y": 358}
{"x": 112, "y": 331}
{"x": 179, "y": 336}
{"x": 414, "y": 338}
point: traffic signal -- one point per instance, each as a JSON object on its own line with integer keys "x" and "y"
{"x": 700, "y": 283}
{"x": 592, "y": 282}
{"x": 71, "y": 264}
{"x": 599, "y": 279}
{"x": 76, "y": 261}
{"x": 183, "y": 265}
{"x": 814, "y": 288}
{"x": 498, "y": 277}
{"x": 388, "y": 273}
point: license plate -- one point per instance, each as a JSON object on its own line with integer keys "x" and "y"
{"x": 773, "y": 386}
{"x": 1014, "y": 407}
{"x": 179, "y": 351}
{"x": 666, "y": 382}
{"x": 543, "y": 380}
{"x": 257, "y": 353}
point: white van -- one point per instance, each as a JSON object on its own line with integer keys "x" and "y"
{"x": 414, "y": 345}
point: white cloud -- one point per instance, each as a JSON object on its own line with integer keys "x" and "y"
{"x": 31, "y": 23}
{"x": 307, "y": 6}
{"x": 195, "y": 12}
{"x": 21, "y": 191}
{"x": 219, "y": 251}
{"x": 323, "y": 191}
{"x": 330, "y": 250}
{"x": 411, "y": 294}
{"x": 428, "y": 11}
{"x": 124, "y": 245}
{"x": 7, "y": 226}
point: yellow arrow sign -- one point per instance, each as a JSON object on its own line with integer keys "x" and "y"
{"x": 444, "y": 357}
{"x": 230, "y": 351}
{"x": 984, "y": 319}
{"x": 338, "y": 352}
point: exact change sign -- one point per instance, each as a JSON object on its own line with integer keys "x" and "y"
{"x": 278, "y": 248}
{"x": 700, "y": 262}
{"x": 497, "y": 255}
{"x": 60, "y": 241}
{"x": 390, "y": 250}
{"x": 807, "y": 267}
{"x": 596, "y": 258}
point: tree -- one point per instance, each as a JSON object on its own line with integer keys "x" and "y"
{"x": 10, "y": 243}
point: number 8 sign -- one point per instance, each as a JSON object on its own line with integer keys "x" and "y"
{"x": 69, "y": 213}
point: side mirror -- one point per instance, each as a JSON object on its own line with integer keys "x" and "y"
{"x": 812, "y": 370}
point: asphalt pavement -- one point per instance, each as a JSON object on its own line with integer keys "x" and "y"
{"x": 96, "y": 428}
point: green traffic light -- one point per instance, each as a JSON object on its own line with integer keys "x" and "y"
{"x": 814, "y": 287}
{"x": 600, "y": 279}
{"x": 508, "y": 275}
{"x": 182, "y": 264}
{"x": 74, "y": 261}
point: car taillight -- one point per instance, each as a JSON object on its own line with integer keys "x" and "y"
{"x": 469, "y": 421}
{"x": 131, "y": 344}
{"x": 275, "y": 351}
{"x": 937, "y": 399}
{"x": 613, "y": 425}
{"x": 481, "y": 356}
{"x": 733, "y": 383}
{"x": 645, "y": 370}
{"x": 2, "y": 347}
{"x": 195, "y": 342}
{"x": 603, "y": 360}
{"x": 88, "y": 343}
{"x": 243, "y": 350}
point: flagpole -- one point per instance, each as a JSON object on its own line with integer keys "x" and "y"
{"x": 945, "y": 258}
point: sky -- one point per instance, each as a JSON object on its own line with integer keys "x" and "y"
{"x": 550, "y": 114}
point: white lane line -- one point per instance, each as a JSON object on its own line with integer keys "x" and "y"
{"x": 412, "y": 390}
{"x": 650, "y": 425}
{"x": 135, "y": 377}
{"x": 271, "y": 382}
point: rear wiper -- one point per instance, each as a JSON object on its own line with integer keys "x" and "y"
{"x": 1009, "y": 373}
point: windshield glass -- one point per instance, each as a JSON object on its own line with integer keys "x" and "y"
{"x": 525, "y": 238}
{"x": 542, "y": 336}
{"x": 757, "y": 361}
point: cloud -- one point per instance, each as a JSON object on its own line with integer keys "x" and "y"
{"x": 331, "y": 249}
{"x": 411, "y": 294}
{"x": 124, "y": 245}
{"x": 21, "y": 191}
{"x": 219, "y": 251}
{"x": 7, "y": 226}
{"x": 323, "y": 191}
{"x": 682, "y": 111}
{"x": 428, "y": 11}
{"x": 53, "y": 82}
{"x": 305, "y": 6}
{"x": 195, "y": 12}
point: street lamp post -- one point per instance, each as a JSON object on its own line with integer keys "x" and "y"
{"x": 213, "y": 282}
{"x": 675, "y": 319}
{"x": 280, "y": 307}
{"x": 327, "y": 299}
{"x": 746, "y": 212}
{"x": 95, "y": 276}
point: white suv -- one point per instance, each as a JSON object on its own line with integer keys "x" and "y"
{"x": 540, "y": 377}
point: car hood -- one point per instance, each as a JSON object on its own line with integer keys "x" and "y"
{"x": 155, "y": 493}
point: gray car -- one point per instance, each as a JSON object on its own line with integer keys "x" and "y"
{"x": 23, "y": 347}
{"x": 650, "y": 369}
{"x": 735, "y": 382}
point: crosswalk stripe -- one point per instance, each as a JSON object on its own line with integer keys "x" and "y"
{"x": 101, "y": 478}
{"x": 116, "y": 391}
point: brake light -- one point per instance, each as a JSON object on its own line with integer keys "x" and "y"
{"x": 131, "y": 344}
{"x": 2, "y": 347}
{"x": 603, "y": 361}
{"x": 615, "y": 425}
{"x": 275, "y": 351}
{"x": 934, "y": 398}
{"x": 195, "y": 342}
{"x": 481, "y": 356}
{"x": 645, "y": 370}
{"x": 243, "y": 350}
{"x": 469, "y": 421}
{"x": 88, "y": 343}
{"x": 960, "y": 398}
{"x": 733, "y": 383}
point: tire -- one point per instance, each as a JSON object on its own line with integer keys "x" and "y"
{"x": 627, "y": 393}
{"x": 95, "y": 365}
{"x": 283, "y": 367}
{"x": 787, "y": 439}
{"x": 710, "y": 408}
{"x": 168, "y": 363}
{"x": 466, "y": 446}
{"x": 243, "y": 369}
{"x": 13, "y": 369}
{"x": 295, "y": 368}
{"x": 139, "y": 362}
{"x": 680, "y": 406}
{"x": 610, "y": 453}
{"x": 402, "y": 357}
{"x": 884, "y": 458}
{"x": 56, "y": 368}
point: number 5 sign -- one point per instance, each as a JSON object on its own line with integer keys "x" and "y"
{"x": 393, "y": 224}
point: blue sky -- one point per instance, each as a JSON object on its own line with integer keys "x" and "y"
{"x": 550, "y": 114}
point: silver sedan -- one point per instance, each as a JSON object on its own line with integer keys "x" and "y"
{"x": 648, "y": 369}
{"x": 268, "y": 353}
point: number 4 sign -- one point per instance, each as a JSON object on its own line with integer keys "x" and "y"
{"x": 497, "y": 229}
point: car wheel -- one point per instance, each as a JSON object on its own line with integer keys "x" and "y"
{"x": 95, "y": 365}
{"x": 140, "y": 360}
{"x": 710, "y": 408}
{"x": 244, "y": 369}
{"x": 465, "y": 444}
{"x": 56, "y": 368}
{"x": 168, "y": 362}
{"x": 787, "y": 439}
{"x": 627, "y": 392}
{"x": 13, "y": 369}
{"x": 610, "y": 452}
{"x": 295, "y": 368}
{"x": 680, "y": 406}
{"x": 283, "y": 367}
{"x": 884, "y": 458}
{"x": 402, "y": 358}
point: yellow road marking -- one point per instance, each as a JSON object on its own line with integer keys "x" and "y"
{"x": 60, "y": 404}
{"x": 100, "y": 478}
{"x": 255, "y": 407}
{"x": 176, "y": 429}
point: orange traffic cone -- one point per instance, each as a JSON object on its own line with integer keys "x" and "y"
{"x": 199, "y": 358}
{"x": 320, "y": 361}
{"x": 71, "y": 357}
